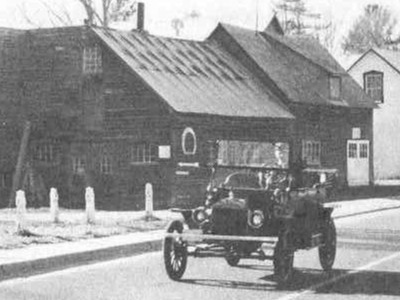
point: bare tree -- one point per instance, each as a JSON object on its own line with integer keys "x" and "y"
{"x": 112, "y": 11}
{"x": 102, "y": 12}
{"x": 374, "y": 28}
{"x": 297, "y": 19}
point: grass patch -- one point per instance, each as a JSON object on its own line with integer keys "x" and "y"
{"x": 72, "y": 226}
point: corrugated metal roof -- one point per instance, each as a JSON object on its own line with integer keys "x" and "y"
{"x": 302, "y": 75}
{"x": 194, "y": 77}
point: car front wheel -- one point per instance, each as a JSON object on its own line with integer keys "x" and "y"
{"x": 175, "y": 252}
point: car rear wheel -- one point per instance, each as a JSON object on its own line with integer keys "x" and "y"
{"x": 327, "y": 251}
{"x": 175, "y": 252}
{"x": 283, "y": 263}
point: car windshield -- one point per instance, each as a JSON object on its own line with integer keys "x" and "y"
{"x": 242, "y": 164}
{"x": 252, "y": 154}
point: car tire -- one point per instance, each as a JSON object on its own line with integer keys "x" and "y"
{"x": 232, "y": 259}
{"x": 175, "y": 252}
{"x": 327, "y": 251}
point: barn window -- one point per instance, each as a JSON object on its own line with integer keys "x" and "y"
{"x": 311, "y": 152}
{"x": 373, "y": 85}
{"x": 92, "y": 60}
{"x": 78, "y": 165}
{"x": 45, "y": 152}
{"x": 106, "y": 164}
{"x": 189, "y": 143}
{"x": 335, "y": 87}
{"x": 144, "y": 153}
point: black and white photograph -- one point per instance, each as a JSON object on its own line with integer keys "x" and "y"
{"x": 187, "y": 149}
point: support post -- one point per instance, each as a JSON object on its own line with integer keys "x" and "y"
{"x": 20, "y": 204}
{"x": 90, "y": 205}
{"x": 54, "y": 207}
{"x": 149, "y": 201}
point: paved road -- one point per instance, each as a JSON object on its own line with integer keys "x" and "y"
{"x": 367, "y": 267}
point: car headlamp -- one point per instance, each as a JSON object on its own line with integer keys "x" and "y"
{"x": 199, "y": 215}
{"x": 256, "y": 218}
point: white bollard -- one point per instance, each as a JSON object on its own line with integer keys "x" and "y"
{"x": 54, "y": 208}
{"x": 90, "y": 205}
{"x": 20, "y": 203}
{"x": 149, "y": 200}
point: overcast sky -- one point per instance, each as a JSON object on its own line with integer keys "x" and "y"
{"x": 159, "y": 13}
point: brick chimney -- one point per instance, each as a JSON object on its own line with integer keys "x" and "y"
{"x": 140, "y": 16}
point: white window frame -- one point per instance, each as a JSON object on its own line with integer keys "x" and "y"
{"x": 92, "y": 60}
{"x": 144, "y": 153}
{"x": 186, "y": 132}
{"x": 311, "y": 152}
{"x": 375, "y": 92}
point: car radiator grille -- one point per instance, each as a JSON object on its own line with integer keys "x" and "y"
{"x": 229, "y": 221}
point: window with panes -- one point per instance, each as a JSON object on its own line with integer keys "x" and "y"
{"x": 92, "y": 60}
{"x": 45, "y": 152}
{"x": 373, "y": 85}
{"x": 311, "y": 152}
{"x": 335, "y": 87}
{"x": 106, "y": 164}
{"x": 78, "y": 164}
{"x": 144, "y": 153}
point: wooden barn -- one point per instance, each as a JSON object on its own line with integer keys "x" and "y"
{"x": 118, "y": 109}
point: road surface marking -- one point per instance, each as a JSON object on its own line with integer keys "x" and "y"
{"x": 313, "y": 288}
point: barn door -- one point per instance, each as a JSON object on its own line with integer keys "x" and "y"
{"x": 358, "y": 162}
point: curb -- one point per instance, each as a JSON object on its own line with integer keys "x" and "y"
{"x": 49, "y": 264}
{"x": 366, "y": 212}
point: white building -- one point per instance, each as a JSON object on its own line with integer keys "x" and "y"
{"x": 378, "y": 72}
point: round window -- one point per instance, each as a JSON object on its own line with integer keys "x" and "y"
{"x": 189, "y": 143}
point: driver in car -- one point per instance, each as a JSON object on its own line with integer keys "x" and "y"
{"x": 279, "y": 181}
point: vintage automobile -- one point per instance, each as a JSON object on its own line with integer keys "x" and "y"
{"x": 253, "y": 212}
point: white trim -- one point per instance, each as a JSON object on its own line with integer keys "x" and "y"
{"x": 187, "y": 164}
{"x": 189, "y": 130}
{"x": 182, "y": 173}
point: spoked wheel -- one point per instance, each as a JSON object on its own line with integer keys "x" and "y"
{"x": 283, "y": 263}
{"x": 232, "y": 258}
{"x": 327, "y": 251}
{"x": 175, "y": 252}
